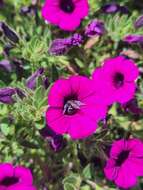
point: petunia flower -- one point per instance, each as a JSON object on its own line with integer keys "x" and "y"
{"x": 67, "y": 14}
{"x": 133, "y": 38}
{"x": 117, "y": 78}
{"x": 125, "y": 163}
{"x": 74, "y": 107}
{"x": 15, "y": 178}
{"x": 95, "y": 28}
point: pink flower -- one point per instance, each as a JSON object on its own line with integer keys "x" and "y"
{"x": 125, "y": 163}
{"x": 74, "y": 107}
{"x": 67, "y": 14}
{"x": 15, "y": 178}
{"x": 117, "y": 79}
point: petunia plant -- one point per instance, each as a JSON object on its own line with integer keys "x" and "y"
{"x": 71, "y": 95}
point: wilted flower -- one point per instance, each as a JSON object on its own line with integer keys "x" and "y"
{"x": 67, "y": 14}
{"x": 139, "y": 22}
{"x": 133, "y": 38}
{"x": 5, "y": 64}
{"x": 7, "y": 93}
{"x": 76, "y": 39}
{"x": 114, "y": 8}
{"x": 9, "y": 33}
{"x": 96, "y": 27}
{"x": 15, "y": 178}
{"x": 56, "y": 141}
{"x": 62, "y": 46}
{"x": 74, "y": 107}
{"x": 125, "y": 163}
{"x": 31, "y": 81}
{"x": 132, "y": 106}
{"x": 117, "y": 77}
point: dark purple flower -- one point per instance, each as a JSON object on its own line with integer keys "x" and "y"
{"x": 110, "y": 8}
{"x": 31, "y": 81}
{"x": 133, "y": 38}
{"x": 132, "y": 106}
{"x": 46, "y": 83}
{"x": 9, "y": 33}
{"x": 96, "y": 27}
{"x": 18, "y": 67}
{"x": 1, "y": 4}
{"x": 5, "y": 64}
{"x": 139, "y": 22}
{"x": 114, "y": 8}
{"x": 56, "y": 141}
{"x": 60, "y": 46}
{"x": 7, "y": 93}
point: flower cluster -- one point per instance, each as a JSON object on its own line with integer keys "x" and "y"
{"x": 77, "y": 104}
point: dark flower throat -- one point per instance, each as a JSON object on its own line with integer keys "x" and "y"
{"x": 67, "y": 6}
{"x": 122, "y": 157}
{"x": 118, "y": 80}
{"x": 8, "y": 181}
{"x": 71, "y": 105}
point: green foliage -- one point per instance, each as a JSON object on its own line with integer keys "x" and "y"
{"x": 75, "y": 167}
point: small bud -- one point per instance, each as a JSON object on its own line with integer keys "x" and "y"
{"x": 5, "y": 64}
{"x": 9, "y": 33}
{"x": 7, "y": 93}
{"x": 133, "y": 38}
{"x": 31, "y": 81}
{"x": 139, "y": 22}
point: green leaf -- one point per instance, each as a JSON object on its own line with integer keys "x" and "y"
{"x": 5, "y": 129}
{"x": 87, "y": 172}
{"x": 73, "y": 179}
{"x": 68, "y": 186}
{"x": 85, "y": 187}
{"x": 55, "y": 73}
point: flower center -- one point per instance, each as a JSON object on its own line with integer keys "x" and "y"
{"x": 118, "y": 80}
{"x": 8, "y": 181}
{"x": 71, "y": 107}
{"x": 122, "y": 157}
{"x": 67, "y": 6}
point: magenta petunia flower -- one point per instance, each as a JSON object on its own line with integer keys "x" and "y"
{"x": 117, "y": 78}
{"x": 125, "y": 163}
{"x": 67, "y": 14}
{"x": 74, "y": 107}
{"x": 15, "y": 178}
